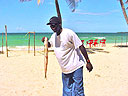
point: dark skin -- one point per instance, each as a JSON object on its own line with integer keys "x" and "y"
{"x": 84, "y": 52}
{"x": 58, "y": 29}
{"x": 82, "y": 48}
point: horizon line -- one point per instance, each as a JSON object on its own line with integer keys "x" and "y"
{"x": 75, "y": 32}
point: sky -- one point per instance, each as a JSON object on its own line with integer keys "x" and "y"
{"x": 90, "y": 16}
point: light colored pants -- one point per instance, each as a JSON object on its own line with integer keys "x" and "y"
{"x": 73, "y": 83}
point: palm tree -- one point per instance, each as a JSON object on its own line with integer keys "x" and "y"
{"x": 72, "y": 5}
{"x": 123, "y": 9}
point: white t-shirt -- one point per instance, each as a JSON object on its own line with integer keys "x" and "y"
{"x": 66, "y": 48}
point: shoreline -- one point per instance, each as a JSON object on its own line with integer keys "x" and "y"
{"x": 41, "y": 48}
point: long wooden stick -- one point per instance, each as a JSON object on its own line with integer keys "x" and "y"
{"x": 29, "y": 43}
{"x": 6, "y": 39}
{"x": 126, "y": 40}
{"x": 34, "y": 43}
{"x": 115, "y": 41}
{"x": 2, "y": 44}
{"x": 45, "y": 56}
{"x": 121, "y": 40}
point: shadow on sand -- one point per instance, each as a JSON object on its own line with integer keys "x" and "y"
{"x": 121, "y": 46}
{"x": 93, "y": 50}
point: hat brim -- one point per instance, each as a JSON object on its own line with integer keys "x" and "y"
{"x": 48, "y": 23}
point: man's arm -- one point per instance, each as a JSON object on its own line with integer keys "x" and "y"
{"x": 84, "y": 52}
{"x": 58, "y": 11}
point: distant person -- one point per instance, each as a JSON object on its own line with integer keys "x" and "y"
{"x": 67, "y": 47}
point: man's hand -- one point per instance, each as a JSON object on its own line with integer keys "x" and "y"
{"x": 43, "y": 39}
{"x": 89, "y": 66}
{"x": 84, "y": 52}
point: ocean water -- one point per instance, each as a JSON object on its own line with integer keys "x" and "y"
{"x": 21, "y": 39}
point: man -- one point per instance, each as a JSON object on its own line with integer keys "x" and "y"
{"x": 67, "y": 47}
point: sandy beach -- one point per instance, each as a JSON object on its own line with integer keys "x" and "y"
{"x": 22, "y": 73}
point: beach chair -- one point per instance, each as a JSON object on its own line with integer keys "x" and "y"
{"x": 103, "y": 42}
{"x": 82, "y": 41}
{"x": 95, "y": 43}
{"x": 90, "y": 43}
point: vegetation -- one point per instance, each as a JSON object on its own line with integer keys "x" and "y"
{"x": 73, "y": 4}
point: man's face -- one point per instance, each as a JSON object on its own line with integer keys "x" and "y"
{"x": 56, "y": 28}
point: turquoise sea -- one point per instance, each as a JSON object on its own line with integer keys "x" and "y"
{"x": 21, "y": 39}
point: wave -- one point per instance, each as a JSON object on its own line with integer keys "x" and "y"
{"x": 83, "y": 37}
{"x": 100, "y": 37}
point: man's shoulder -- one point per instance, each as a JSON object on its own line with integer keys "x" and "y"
{"x": 68, "y": 31}
{"x": 53, "y": 34}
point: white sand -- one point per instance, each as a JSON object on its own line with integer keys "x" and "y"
{"x": 22, "y": 74}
